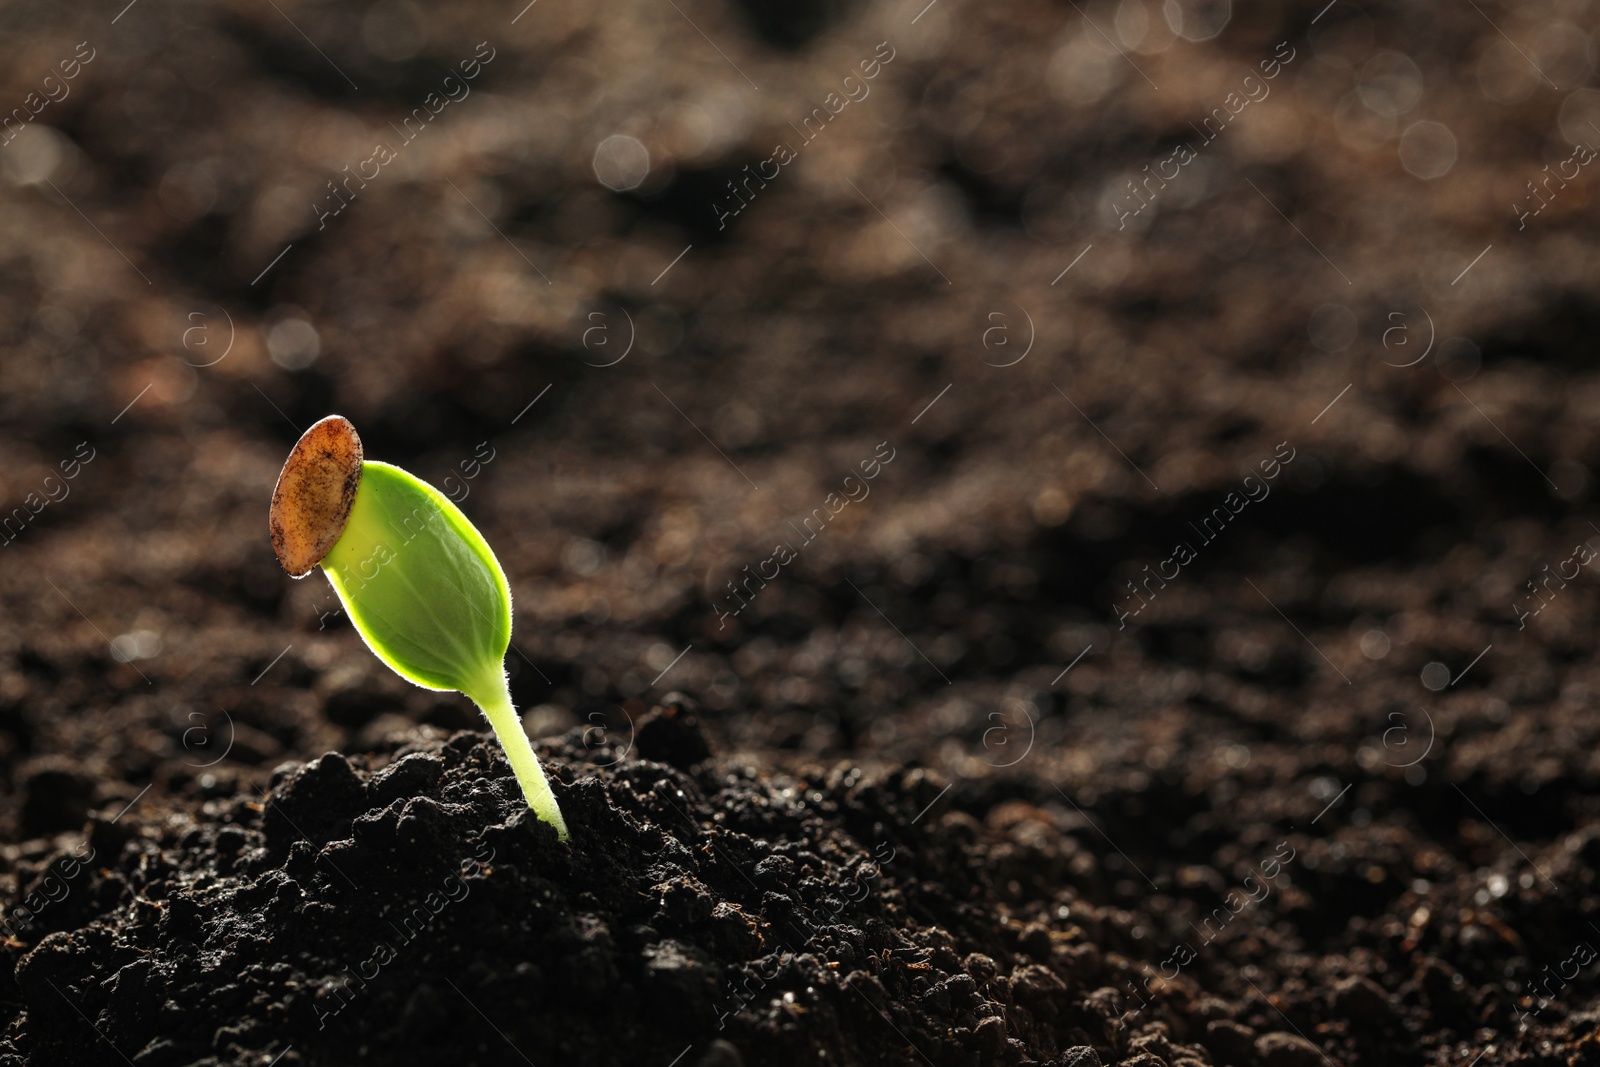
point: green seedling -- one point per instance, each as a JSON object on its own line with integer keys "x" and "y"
{"x": 417, "y": 579}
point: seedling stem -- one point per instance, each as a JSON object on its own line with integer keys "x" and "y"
{"x": 495, "y": 703}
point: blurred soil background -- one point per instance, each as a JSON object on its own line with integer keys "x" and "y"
{"x": 1355, "y": 273}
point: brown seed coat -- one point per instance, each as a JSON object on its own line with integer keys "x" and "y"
{"x": 315, "y": 491}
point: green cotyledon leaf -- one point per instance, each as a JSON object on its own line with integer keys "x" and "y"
{"x": 421, "y": 584}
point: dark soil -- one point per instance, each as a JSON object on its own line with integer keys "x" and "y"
{"x": 1207, "y": 676}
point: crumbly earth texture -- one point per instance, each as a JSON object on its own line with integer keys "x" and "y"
{"x": 404, "y": 907}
